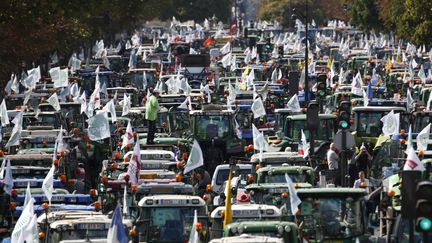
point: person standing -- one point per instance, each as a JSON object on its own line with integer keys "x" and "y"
{"x": 363, "y": 160}
{"x": 152, "y": 108}
{"x": 333, "y": 162}
{"x": 362, "y": 182}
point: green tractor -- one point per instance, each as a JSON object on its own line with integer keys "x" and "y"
{"x": 214, "y": 129}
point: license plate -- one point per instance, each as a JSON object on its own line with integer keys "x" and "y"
{"x": 24, "y": 183}
{"x": 56, "y": 198}
{"x": 170, "y": 202}
{"x": 91, "y": 226}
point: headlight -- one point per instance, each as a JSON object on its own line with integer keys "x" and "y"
{"x": 280, "y": 229}
{"x": 233, "y": 230}
{"x": 287, "y": 228}
{"x": 240, "y": 230}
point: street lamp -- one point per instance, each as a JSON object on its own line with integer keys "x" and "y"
{"x": 306, "y": 56}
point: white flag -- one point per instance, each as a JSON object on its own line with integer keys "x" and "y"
{"x": 409, "y": 142}
{"x": 195, "y": 159}
{"x": 356, "y": 85}
{"x": 28, "y": 195}
{"x": 59, "y": 77}
{"x": 226, "y": 60}
{"x": 23, "y": 221}
{"x": 410, "y": 100}
{"x": 421, "y": 74}
{"x": 48, "y": 184}
{"x": 294, "y": 104}
{"x": 135, "y": 164}
{"x": 294, "y": 199}
{"x": 186, "y": 104}
{"x": 126, "y": 105}
{"x": 128, "y": 137}
{"x": 365, "y": 99}
{"x": 98, "y": 127}
{"x": 30, "y": 233}
{"x": 258, "y": 108}
{"x": 125, "y": 204}
{"x": 390, "y": 123}
{"x": 258, "y": 140}
{"x": 54, "y": 102}
{"x": 8, "y": 179}
{"x": 3, "y": 114}
{"x": 305, "y": 145}
{"x": 61, "y": 145}
{"x": 16, "y": 131}
{"x": 110, "y": 107}
{"x": 413, "y": 162}
{"x": 226, "y": 48}
{"x": 422, "y": 139}
{"x": 194, "y": 236}
{"x": 83, "y": 101}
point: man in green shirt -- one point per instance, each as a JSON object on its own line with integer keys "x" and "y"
{"x": 152, "y": 108}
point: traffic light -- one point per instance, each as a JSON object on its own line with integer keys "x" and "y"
{"x": 344, "y": 115}
{"x": 424, "y": 206}
{"x": 321, "y": 90}
{"x": 312, "y": 117}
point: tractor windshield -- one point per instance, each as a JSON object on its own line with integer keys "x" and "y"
{"x": 212, "y": 126}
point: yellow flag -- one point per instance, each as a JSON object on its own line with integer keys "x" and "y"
{"x": 329, "y": 62}
{"x": 228, "y": 210}
{"x": 389, "y": 65}
{"x": 246, "y": 71}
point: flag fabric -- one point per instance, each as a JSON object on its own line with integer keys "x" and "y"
{"x": 193, "y": 236}
{"x": 195, "y": 159}
{"x": 30, "y": 232}
{"x": 369, "y": 91}
{"x": 126, "y": 105}
{"x": 228, "y": 209}
{"x": 59, "y": 77}
{"x": 226, "y": 60}
{"x": 294, "y": 104}
{"x": 48, "y": 184}
{"x": 61, "y": 146}
{"x": 259, "y": 141}
{"x": 410, "y": 101}
{"x": 409, "y": 141}
{"x": 2, "y": 169}
{"x": 98, "y": 127}
{"x": 421, "y": 74}
{"x": 413, "y": 162}
{"x": 135, "y": 164}
{"x": 28, "y": 195}
{"x": 54, "y": 102}
{"x": 258, "y": 108}
{"x": 110, "y": 107}
{"x": 305, "y": 145}
{"x": 116, "y": 231}
{"x": 128, "y": 137}
{"x": 82, "y": 100}
{"x": 356, "y": 85}
{"x": 16, "y": 131}
{"x": 422, "y": 139}
{"x": 125, "y": 204}
{"x": 24, "y": 220}
{"x": 365, "y": 99}
{"x": 186, "y": 104}
{"x": 390, "y": 123}
{"x": 3, "y": 114}
{"x": 226, "y": 48}
{"x": 294, "y": 199}
{"x": 8, "y": 183}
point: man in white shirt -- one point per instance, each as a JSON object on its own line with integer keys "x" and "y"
{"x": 332, "y": 158}
{"x": 362, "y": 182}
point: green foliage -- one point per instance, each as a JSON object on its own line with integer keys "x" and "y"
{"x": 364, "y": 14}
{"x": 32, "y": 30}
{"x": 415, "y": 22}
{"x": 281, "y": 10}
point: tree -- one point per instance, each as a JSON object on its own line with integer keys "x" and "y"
{"x": 281, "y": 10}
{"x": 414, "y": 23}
{"x": 364, "y": 14}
